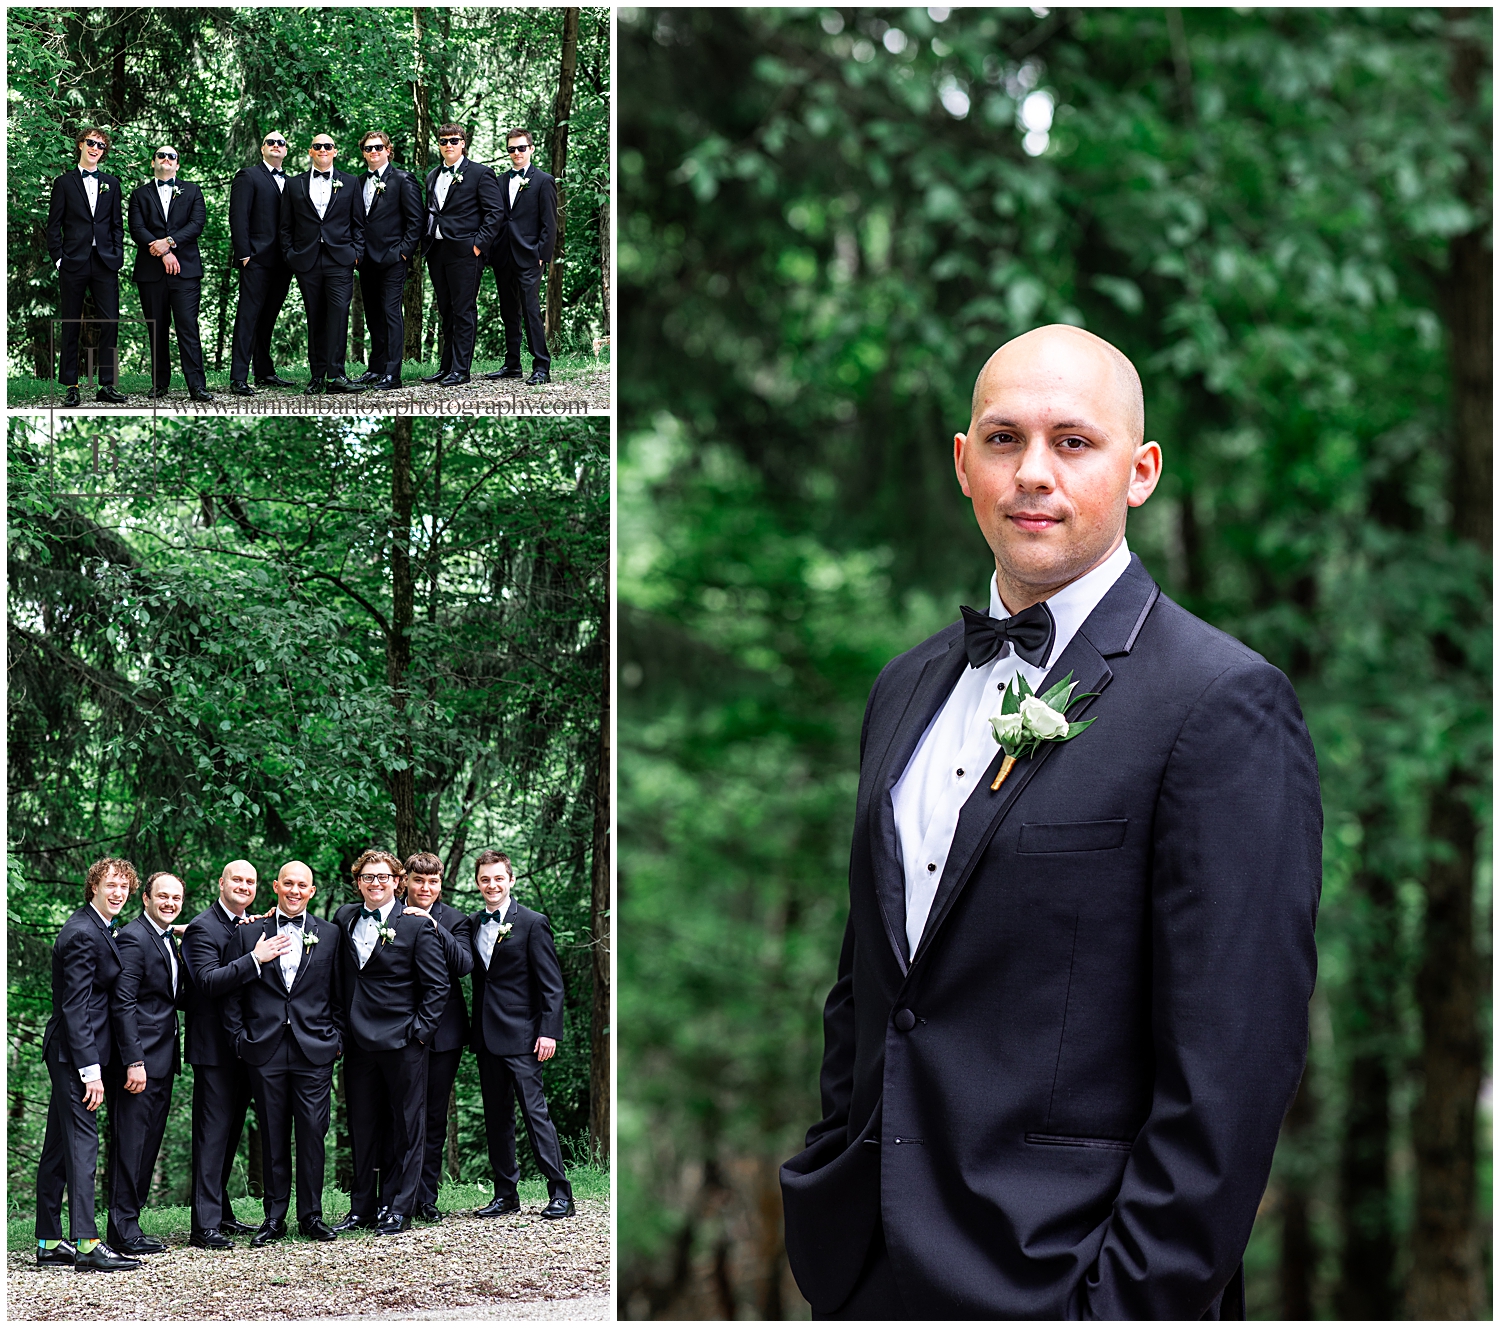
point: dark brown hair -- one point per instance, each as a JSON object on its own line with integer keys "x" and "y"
{"x": 518, "y": 133}
{"x": 106, "y": 867}
{"x": 94, "y": 131}
{"x": 424, "y": 864}
{"x": 492, "y": 855}
{"x": 448, "y": 130}
{"x": 154, "y": 878}
{"x": 375, "y": 133}
{"x": 372, "y": 855}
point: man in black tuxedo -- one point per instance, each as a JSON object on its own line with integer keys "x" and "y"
{"x": 394, "y": 220}
{"x": 147, "y": 998}
{"x": 1071, "y": 1008}
{"x": 86, "y": 239}
{"x": 287, "y": 1025}
{"x": 466, "y": 209}
{"x": 221, "y": 1082}
{"x": 265, "y": 278}
{"x": 78, "y": 1046}
{"x": 166, "y": 219}
{"x": 395, "y": 986}
{"x": 322, "y": 238}
{"x": 520, "y": 255}
{"x": 518, "y": 1022}
{"x": 423, "y": 876}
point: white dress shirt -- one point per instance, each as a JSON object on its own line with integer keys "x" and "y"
{"x": 370, "y": 184}
{"x": 443, "y": 185}
{"x": 292, "y": 957}
{"x": 365, "y": 933}
{"x": 279, "y": 179}
{"x": 164, "y": 195}
{"x": 320, "y": 190}
{"x": 515, "y": 187}
{"x": 91, "y": 188}
{"x": 165, "y": 932}
{"x": 959, "y": 744}
{"x": 489, "y": 932}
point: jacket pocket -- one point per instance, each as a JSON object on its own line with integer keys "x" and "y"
{"x": 1072, "y": 836}
{"x": 1080, "y": 1141}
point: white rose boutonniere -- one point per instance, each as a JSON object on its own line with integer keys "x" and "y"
{"x": 309, "y": 938}
{"x": 176, "y": 191}
{"x": 338, "y": 184}
{"x": 104, "y": 186}
{"x": 502, "y": 931}
{"x": 380, "y": 186}
{"x": 1027, "y": 720}
{"x": 387, "y": 934}
{"x": 525, "y": 183}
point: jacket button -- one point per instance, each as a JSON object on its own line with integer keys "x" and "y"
{"x": 905, "y": 1020}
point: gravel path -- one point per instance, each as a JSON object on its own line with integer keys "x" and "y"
{"x": 463, "y": 1268}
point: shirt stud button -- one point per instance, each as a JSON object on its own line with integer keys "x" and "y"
{"x": 960, "y": 774}
{"x": 932, "y": 866}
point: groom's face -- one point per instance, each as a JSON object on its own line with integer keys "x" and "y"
{"x": 1052, "y": 461}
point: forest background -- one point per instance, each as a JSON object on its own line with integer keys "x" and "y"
{"x": 300, "y": 639}
{"x": 830, "y": 218}
{"x": 213, "y": 82}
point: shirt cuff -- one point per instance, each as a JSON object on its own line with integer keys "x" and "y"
{"x": 89, "y": 1073}
{"x": 256, "y": 962}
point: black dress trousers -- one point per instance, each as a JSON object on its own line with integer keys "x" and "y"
{"x": 103, "y": 283}
{"x": 455, "y": 268}
{"x": 520, "y": 292}
{"x": 176, "y": 300}
{"x": 137, "y": 1122}
{"x": 291, "y": 1091}
{"x": 442, "y": 1070}
{"x": 382, "y": 285}
{"x": 221, "y": 1097}
{"x": 70, "y": 1154}
{"x": 327, "y": 290}
{"x": 263, "y": 290}
{"x": 500, "y": 1077}
{"x": 386, "y": 1092}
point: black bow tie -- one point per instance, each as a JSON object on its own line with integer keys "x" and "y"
{"x": 372, "y": 175}
{"x": 283, "y": 921}
{"x": 369, "y": 913}
{"x": 517, "y": 175}
{"x": 492, "y": 917}
{"x": 89, "y": 175}
{"x": 322, "y": 175}
{"x": 276, "y": 170}
{"x": 450, "y": 170}
{"x": 1029, "y": 632}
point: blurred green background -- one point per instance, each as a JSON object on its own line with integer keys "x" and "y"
{"x": 830, "y": 218}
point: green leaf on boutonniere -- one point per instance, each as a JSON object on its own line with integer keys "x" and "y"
{"x": 1025, "y": 720}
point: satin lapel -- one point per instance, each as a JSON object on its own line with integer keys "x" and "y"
{"x": 307, "y": 950}
{"x": 83, "y": 193}
{"x": 935, "y": 682}
{"x": 983, "y": 812}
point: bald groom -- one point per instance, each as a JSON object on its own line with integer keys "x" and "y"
{"x": 1071, "y": 1005}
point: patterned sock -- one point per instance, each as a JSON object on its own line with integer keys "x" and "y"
{"x": 48, "y": 1244}
{"x": 84, "y": 1246}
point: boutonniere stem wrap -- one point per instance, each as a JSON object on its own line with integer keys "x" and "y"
{"x": 1027, "y": 720}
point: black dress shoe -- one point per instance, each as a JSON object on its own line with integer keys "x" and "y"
{"x": 429, "y": 1212}
{"x": 315, "y": 1228}
{"x": 437, "y": 377}
{"x": 455, "y": 379}
{"x": 71, "y": 397}
{"x": 385, "y": 384}
{"x": 102, "y": 1259}
{"x": 140, "y": 1245}
{"x": 235, "y": 1227}
{"x": 560, "y": 1205}
{"x": 497, "y": 1206}
{"x": 315, "y": 388}
{"x": 274, "y": 380}
{"x": 60, "y": 1256}
{"x": 505, "y": 373}
{"x": 393, "y": 1224}
{"x": 110, "y": 393}
{"x": 369, "y": 376}
{"x": 156, "y": 393}
{"x": 268, "y": 1232}
{"x": 352, "y": 1223}
{"x": 344, "y": 385}
{"x": 538, "y": 376}
{"x": 212, "y": 1239}
{"x": 242, "y": 389}
{"x": 199, "y": 394}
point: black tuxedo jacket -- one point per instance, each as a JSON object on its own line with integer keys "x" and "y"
{"x": 395, "y": 219}
{"x": 72, "y": 230}
{"x": 257, "y": 1014}
{"x": 397, "y": 997}
{"x": 519, "y": 998}
{"x": 453, "y": 1027}
{"x": 530, "y": 230}
{"x": 215, "y": 969}
{"x": 146, "y": 998}
{"x": 1065, "y": 1105}
{"x": 255, "y": 217}
{"x": 475, "y": 208}
{"x": 83, "y": 1029}
{"x": 186, "y": 217}
{"x": 341, "y": 227}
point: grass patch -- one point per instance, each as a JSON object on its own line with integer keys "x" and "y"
{"x": 24, "y": 390}
{"x": 589, "y": 1182}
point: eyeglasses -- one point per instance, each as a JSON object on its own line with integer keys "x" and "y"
{"x": 448, "y": 142}
{"x": 94, "y": 143}
{"x": 519, "y": 147}
{"x": 166, "y": 156}
{"x": 274, "y": 143}
{"x": 323, "y": 147}
{"x": 373, "y": 147}
{"x": 374, "y": 878}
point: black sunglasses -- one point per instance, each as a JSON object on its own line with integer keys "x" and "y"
{"x": 373, "y": 147}
{"x": 166, "y": 156}
{"x": 274, "y": 143}
{"x": 519, "y": 147}
{"x": 449, "y": 142}
{"x": 95, "y": 143}
{"x": 323, "y": 147}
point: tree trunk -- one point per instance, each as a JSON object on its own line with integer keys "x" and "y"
{"x": 253, "y": 1163}
{"x": 409, "y": 835}
{"x": 599, "y": 923}
{"x": 453, "y": 1173}
{"x": 1366, "y": 1287}
{"x": 1299, "y": 1256}
{"x": 604, "y": 268}
{"x": 412, "y": 297}
{"x": 557, "y": 146}
{"x": 1445, "y": 1279}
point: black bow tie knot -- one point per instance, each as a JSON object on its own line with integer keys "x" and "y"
{"x": 322, "y": 175}
{"x": 369, "y": 913}
{"x": 284, "y": 921}
{"x": 1029, "y": 633}
{"x": 276, "y": 170}
{"x": 89, "y": 175}
{"x": 517, "y": 175}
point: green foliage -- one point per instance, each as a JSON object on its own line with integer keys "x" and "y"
{"x": 830, "y": 218}
{"x": 203, "y": 624}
